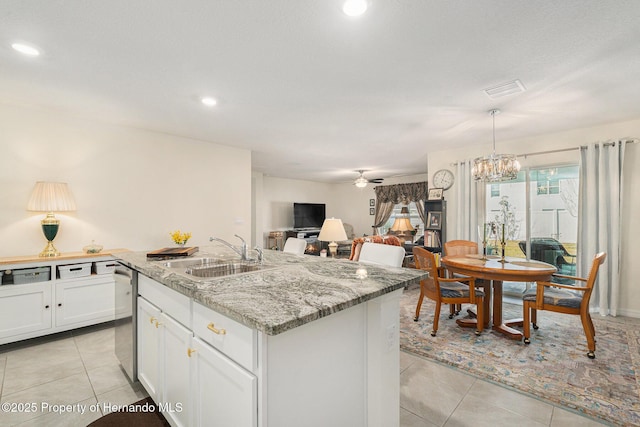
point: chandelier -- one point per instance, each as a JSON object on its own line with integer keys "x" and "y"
{"x": 495, "y": 167}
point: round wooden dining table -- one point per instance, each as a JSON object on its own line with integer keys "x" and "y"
{"x": 493, "y": 269}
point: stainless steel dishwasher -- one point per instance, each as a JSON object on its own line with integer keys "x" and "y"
{"x": 126, "y": 319}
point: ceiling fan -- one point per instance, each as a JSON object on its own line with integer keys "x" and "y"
{"x": 362, "y": 181}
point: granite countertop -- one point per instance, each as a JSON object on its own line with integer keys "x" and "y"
{"x": 291, "y": 291}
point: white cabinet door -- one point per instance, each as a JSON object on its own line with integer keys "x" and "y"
{"x": 85, "y": 300}
{"x": 149, "y": 347}
{"x": 176, "y": 378}
{"x": 224, "y": 393}
{"x": 24, "y": 309}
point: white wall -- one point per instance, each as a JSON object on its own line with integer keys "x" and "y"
{"x": 132, "y": 187}
{"x": 630, "y": 294}
{"x": 278, "y": 196}
{"x": 344, "y": 201}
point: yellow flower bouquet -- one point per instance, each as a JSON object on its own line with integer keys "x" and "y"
{"x": 179, "y": 237}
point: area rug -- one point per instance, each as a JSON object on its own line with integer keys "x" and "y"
{"x": 554, "y": 367}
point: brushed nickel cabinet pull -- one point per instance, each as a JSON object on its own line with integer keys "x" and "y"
{"x": 213, "y": 329}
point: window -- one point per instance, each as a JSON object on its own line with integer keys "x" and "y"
{"x": 414, "y": 218}
{"x": 540, "y": 210}
{"x": 547, "y": 181}
{"x": 548, "y": 187}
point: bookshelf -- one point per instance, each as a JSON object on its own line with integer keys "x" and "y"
{"x": 435, "y": 230}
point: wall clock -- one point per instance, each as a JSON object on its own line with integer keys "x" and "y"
{"x": 443, "y": 179}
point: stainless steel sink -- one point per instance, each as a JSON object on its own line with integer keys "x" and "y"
{"x": 223, "y": 269}
{"x": 206, "y": 267}
{"x": 191, "y": 262}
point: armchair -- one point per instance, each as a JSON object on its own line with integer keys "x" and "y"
{"x": 446, "y": 291}
{"x": 344, "y": 247}
{"x": 563, "y": 298}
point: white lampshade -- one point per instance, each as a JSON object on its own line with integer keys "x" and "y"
{"x": 332, "y": 230}
{"x": 51, "y": 197}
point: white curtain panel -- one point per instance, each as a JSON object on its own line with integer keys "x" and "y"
{"x": 599, "y": 210}
{"x": 467, "y": 202}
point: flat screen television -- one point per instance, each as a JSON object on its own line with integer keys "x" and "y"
{"x": 308, "y": 215}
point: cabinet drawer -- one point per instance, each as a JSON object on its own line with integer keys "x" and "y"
{"x": 236, "y": 341}
{"x": 166, "y": 299}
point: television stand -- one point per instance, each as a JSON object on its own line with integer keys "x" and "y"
{"x": 303, "y": 233}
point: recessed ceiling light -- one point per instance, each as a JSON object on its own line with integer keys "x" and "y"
{"x": 354, "y": 7}
{"x": 208, "y": 101}
{"x": 25, "y": 49}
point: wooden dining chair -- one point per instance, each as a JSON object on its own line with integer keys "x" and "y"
{"x": 563, "y": 298}
{"x": 464, "y": 247}
{"x": 445, "y": 290}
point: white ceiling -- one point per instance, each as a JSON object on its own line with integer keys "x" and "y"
{"x": 317, "y": 95}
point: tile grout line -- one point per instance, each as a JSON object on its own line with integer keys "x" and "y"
{"x": 86, "y": 371}
{"x": 475, "y": 380}
{"x": 4, "y": 375}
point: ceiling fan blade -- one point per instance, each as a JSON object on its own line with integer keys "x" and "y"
{"x": 376, "y": 180}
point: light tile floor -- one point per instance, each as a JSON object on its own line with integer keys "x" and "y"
{"x": 48, "y": 381}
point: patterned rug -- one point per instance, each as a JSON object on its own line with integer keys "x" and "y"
{"x": 553, "y": 367}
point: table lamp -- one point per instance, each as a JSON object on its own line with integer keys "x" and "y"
{"x": 51, "y": 197}
{"x": 402, "y": 224}
{"x": 332, "y": 230}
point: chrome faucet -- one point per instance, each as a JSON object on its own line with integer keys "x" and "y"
{"x": 242, "y": 250}
{"x": 260, "y": 255}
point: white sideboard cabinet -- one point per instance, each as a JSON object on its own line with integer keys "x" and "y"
{"x": 53, "y": 304}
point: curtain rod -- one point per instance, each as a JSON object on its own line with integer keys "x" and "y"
{"x": 581, "y": 147}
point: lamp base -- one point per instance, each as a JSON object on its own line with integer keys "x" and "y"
{"x": 333, "y": 249}
{"x": 49, "y": 251}
{"x": 50, "y": 225}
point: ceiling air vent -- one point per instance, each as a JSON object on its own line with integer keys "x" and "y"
{"x": 505, "y": 89}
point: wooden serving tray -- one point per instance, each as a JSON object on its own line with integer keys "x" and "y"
{"x": 172, "y": 252}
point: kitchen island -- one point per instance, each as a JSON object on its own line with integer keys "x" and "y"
{"x": 304, "y": 341}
